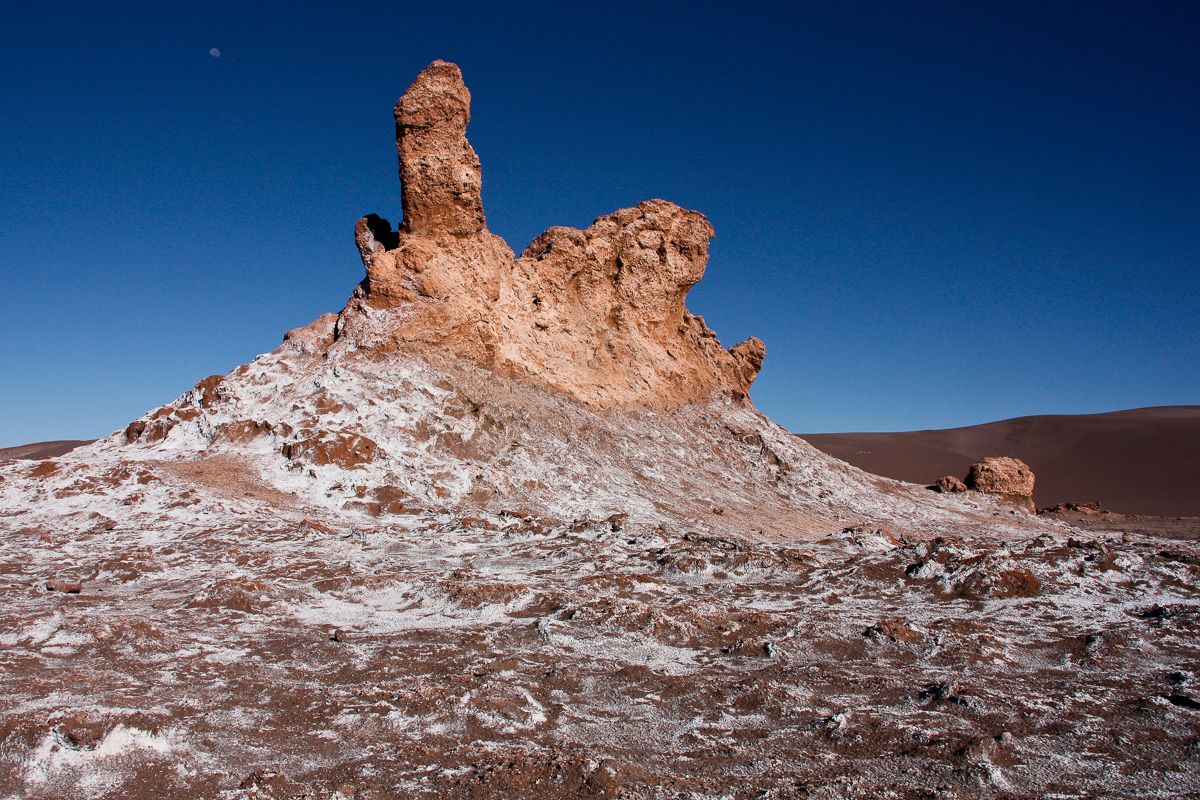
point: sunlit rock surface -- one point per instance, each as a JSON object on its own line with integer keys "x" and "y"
{"x": 598, "y": 314}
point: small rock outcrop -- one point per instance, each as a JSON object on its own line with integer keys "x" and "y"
{"x": 949, "y": 485}
{"x": 598, "y": 314}
{"x": 1002, "y": 475}
{"x": 1087, "y": 509}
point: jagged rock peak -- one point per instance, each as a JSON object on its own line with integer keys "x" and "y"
{"x": 439, "y": 171}
{"x": 598, "y": 314}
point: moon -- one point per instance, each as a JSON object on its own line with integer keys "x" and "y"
{"x": 215, "y": 53}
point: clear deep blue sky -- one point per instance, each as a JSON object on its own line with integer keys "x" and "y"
{"x": 934, "y": 214}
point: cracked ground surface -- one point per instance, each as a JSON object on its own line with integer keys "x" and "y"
{"x": 500, "y": 655}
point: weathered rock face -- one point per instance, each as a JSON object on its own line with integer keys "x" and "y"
{"x": 598, "y": 314}
{"x": 1007, "y": 476}
{"x": 439, "y": 171}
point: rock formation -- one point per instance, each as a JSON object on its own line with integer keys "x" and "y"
{"x": 439, "y": 171}
{"x": 1007, "y": 476}
{"x": 569, "y": 383}
{"x": 1010, "y": 478}
{"x": 402, "y": 545}
{"x": 597, "y": 314}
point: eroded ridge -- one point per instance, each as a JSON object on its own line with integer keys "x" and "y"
{"x": 598, "y": 314}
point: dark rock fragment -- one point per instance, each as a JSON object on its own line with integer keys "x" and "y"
{"x": 948, "y": 485}
{"x": 1183, "y": 701}
{"x": 943, "y": 692}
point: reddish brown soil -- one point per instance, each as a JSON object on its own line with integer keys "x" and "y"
{"x": 42, "y": 449}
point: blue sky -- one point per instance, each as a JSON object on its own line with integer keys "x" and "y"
{"x": 934, "y": 214}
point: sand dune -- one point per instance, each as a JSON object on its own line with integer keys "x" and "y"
{"x": 42, "y": 449}
{"x": 1142, "y": 461}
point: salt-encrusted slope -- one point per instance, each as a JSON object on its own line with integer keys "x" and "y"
{"x": 349, "y": 430}
{"x": 571, "y": 382}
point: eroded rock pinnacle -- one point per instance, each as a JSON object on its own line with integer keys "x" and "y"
{"x": 598, "y": 314}
{"x": 439, "y": 171}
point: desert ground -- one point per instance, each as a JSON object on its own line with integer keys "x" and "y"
{"x": 511, "y": 527}
{"x": 42, "y": 449}
{"x": 1141, "y": 461}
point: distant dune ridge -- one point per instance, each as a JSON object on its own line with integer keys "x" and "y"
{"x": 42, "y": 449}
{"x": 1142, "y": 461}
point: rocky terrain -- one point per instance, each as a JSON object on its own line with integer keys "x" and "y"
{"x": 511, "y": 527}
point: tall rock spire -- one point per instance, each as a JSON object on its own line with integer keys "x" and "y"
{"x": 597, "y": 314}
{"x": 439, "y": 171}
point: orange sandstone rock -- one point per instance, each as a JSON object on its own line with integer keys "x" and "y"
{"x": 597, "y": 314}
{"x": 949, "y": 485}
{"x": 440, "y": 175}
{"x": 1006, "y": 476}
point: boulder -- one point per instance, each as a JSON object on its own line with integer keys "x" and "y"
{"x": 949, "y": 485}
{"x": 1001, "y": 475}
